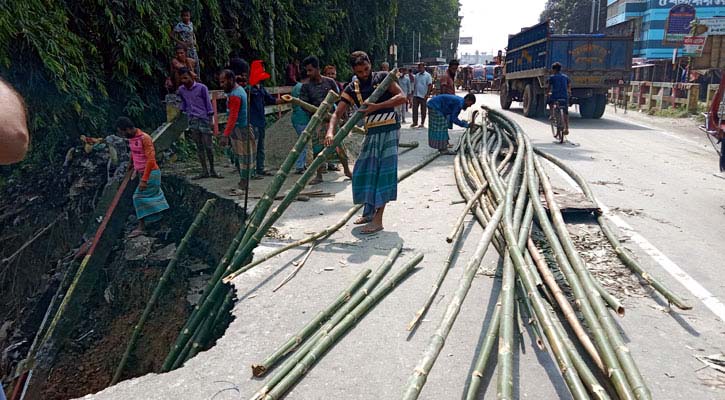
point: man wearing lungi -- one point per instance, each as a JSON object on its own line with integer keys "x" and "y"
{"x": 195, "y": 103}
{"x": 443, "y": 110}
{"x": 242, "y": 139}
{"x": 314, "y": 92}
{"x": 375, "y": 175}
{"x": 148, "y": 199}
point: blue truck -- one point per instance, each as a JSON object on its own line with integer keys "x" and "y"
{"x": 594, "y": 62}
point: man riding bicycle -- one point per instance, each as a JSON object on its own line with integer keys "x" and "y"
{"x": 559, "y": 90}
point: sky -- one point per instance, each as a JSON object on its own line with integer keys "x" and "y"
{"x": 490, "y": 22}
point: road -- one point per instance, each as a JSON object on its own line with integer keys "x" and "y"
{"x": 657, "y": 180}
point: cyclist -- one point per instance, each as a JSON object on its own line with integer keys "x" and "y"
{"x": 559, "y": 90}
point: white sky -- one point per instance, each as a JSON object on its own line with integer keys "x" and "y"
{"x": 490, "y": 22}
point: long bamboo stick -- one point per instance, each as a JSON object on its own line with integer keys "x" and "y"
{"x": 605, "y": 348}
{"x": 311, "y": 327}
{"x": 629, "y": 367}
{"x": 161, "y": 286}
{"x": 624, "y": 255}
{"x": 242, "y": 253}
{"x": 339, "y": 315}
{"x": 248, "y": 245}
{"x": 325, "y": 233}
{"x": 435, "y": 345}
{"x": 328, "y": 340}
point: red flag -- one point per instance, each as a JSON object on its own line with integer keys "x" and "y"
{"x": 257, "y": 73}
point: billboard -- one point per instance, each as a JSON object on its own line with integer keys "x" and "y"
{"x": 465, "y": 40}
{"x": 678, "y": 23}
{"x": 715, "y": 26}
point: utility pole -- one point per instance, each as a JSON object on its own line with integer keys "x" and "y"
{"x": 594, "y": 9}
{"x": 395, "y": 46}
{"x": 413, "y": 51}
{"x": 418, "y": 46}
{"x": 271, "y": 50}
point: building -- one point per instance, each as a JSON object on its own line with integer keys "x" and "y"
{"x": 646, "y": 19}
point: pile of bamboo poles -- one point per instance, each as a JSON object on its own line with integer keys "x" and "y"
{"x": 501, "y": 177}
{"x": 314, "y": 339}
{"x": 218, "y": 295}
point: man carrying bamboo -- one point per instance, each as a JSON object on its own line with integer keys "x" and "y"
{"x": 242, "y": 139}
{"x": 314, "y": 92}
{"x": 375, "y": 175}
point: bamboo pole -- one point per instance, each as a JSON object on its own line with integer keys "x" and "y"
{"x": 248, "y": 245}
{"x": 325, "y": 233}
{"x": 311, "y": 327}
{"x": 624, "y": 255}
{"x": 435, "y": 345}
{"x": 297, "y": 268}
{"x": 312, "y": 109}
{"x": 328, "y": 339}
{"x": 201, "y": 340}
{"x": 243, "y": 251}
{"x": 339, "y": 315}
{"x": 160, "y": 287}
{"x": 605, "y": 348}
{"x": 564, "y": 305}
{"x": 485, "y": 352}
{"x": 629, "y": 367}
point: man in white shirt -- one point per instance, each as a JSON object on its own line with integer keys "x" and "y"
{"x": 421, "y": 91}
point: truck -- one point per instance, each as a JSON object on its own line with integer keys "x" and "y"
{"x": 593, "y": 62}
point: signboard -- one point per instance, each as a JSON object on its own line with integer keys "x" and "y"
{"x": 715, "y": 26}
{"x": 465, "y": 40}
{"x": 693, "y": 46}
{"x": 696, "y": 3}
{"x": 678, "y": 23}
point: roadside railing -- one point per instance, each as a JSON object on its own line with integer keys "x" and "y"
{"x": 221, "y": 115}
{"x": 656, "y": 95}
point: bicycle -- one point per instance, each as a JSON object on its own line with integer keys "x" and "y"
{"x": 557, "y": 121}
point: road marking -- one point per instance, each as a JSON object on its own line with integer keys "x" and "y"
{"x": 693, "y": 286}
{"x": 658, "y": 130}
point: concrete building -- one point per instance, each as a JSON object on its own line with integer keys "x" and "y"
{"x": 646, "y": 19}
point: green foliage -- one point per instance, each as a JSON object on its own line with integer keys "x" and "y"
{"x": 80, "y": 64}
{"x": 571, "y": 16}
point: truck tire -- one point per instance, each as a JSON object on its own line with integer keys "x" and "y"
{"x": 600, "y": 105}
{"x": 504, "y": 97}
{"x": 586, "y": 108}
{"x": 529, "y": 101}
{"x": 541, "y": 106}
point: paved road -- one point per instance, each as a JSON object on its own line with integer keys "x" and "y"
{"x": 665, "y": 177}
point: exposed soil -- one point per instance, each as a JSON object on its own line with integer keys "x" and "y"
{"x": 58, "y": 208}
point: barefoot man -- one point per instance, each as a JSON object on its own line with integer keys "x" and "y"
{"x": 148, "y": 199}
{"x": 375, "y": 175}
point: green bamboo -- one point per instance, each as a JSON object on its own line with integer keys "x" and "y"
{"x": 564, "y": 362}
{"x": 260, "y": 211}
{"x": 328, "y": 339}
{"x": 605, "y": 348}
{"x": 311, "y": 327}
{"x": 218, "y": 271}
{"x": 161, "y": 286}
{"x": 249, "y": 245}
{"x": 629, "y": 367}
{"x": 339, "y": 315}
{"x": 201, "y": 340}
{"x": 564, "y": 305}
{"x": 485, "y": 352}
{"x": 325, "y": 233}
{"x": 438, "y": 282}
{"x": 608, "y": 298}
{"x": 312, "y": 109}
{"x": 435, "y": 345}
{"x": 624, "y": 255}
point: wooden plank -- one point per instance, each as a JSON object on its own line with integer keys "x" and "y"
{"x": 572, "y": 203}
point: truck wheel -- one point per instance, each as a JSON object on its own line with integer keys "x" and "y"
{"x": 529, "y": 101}
{"x": 504, "y": 97}
{"x": 541, "y": 106}
{"x": 586, "y": 108}
{"x": 600, "y": 105}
